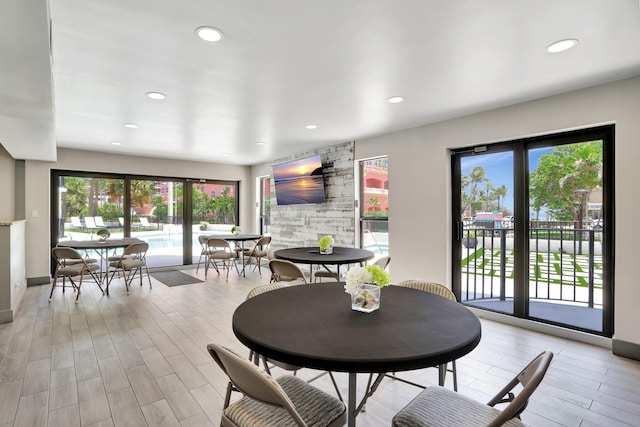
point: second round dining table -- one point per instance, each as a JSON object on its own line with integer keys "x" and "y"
{"x": 312, "y": 256}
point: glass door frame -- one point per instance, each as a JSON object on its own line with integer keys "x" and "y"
{"x": 521, "y": 215}
{"x": 57, "y": 174}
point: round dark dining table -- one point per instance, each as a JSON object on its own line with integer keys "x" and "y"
{"x": 311, "y": 255}
{"x": 313, "y": 326}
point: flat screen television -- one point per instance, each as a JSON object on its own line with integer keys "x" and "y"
{"x": 300, "y": 181}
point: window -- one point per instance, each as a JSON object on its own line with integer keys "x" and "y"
{"x": 374, "y": 205}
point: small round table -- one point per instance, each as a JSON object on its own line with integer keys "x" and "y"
{"x": 312, "y": 256}
{"x": 313, "y": 326}
{"x": 101, "y": 247}
{"x": 240, "y": 237}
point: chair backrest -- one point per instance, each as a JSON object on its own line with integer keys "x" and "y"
{"x": 144, "y": 222}
{"x": 281, "y": 268}
{"x": 89, "y": 222}
{"x": 75, "y": 222}
{"x": 121, "y": 221}
{"x": 383, "y": 262}
{"x": 99, "y": 221}
{"x": 251, "y": 381}
{"x": 137, "y": 250}
{"x": 61, "y": 253}
{"x": 263, "y": 241}
{"x": 264, "y": 288}
{"x": 530, "y": 377}
{"x": 219, "y": 244}
{"x": 431, "y": 287}
{"x": 202, "y": 239}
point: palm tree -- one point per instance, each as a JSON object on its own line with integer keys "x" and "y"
{"x": 500, "y": 192}
{"x": 477, "y": 176}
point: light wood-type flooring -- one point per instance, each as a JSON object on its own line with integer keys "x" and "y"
{"x": 140, "y": 359}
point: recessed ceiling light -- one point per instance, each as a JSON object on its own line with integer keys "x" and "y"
{"x": 156, "y": 95}
{"x": 311, "y": 127}
{"x": 395, "y": 99}
{"x": 562, "y": 45}
{"x": 226, "y": 155}
{"x": 209, "y": 34}
{"x": 261, "y": 143}
{"x": 115, "y": 143}
{"x": 131, "y": 125}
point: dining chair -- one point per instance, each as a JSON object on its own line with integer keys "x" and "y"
{"x": 204, "y": 249}
{"x": 132, "y": 261}
{"x": 439, "y": 407}
{"x": 258, "y": 252}
{"x": 443, "y": 291}
{"x": 70, "y": 264}
{"x": 258, "y": 290}
{"x": 220, "y": 250}
{"x": 283, "y": 270}
{"x": 287, "y": 400}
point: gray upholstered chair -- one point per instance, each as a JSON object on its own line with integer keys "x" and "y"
{"x": 283, "y": 270}
{"x": 438, "y": 406}
{"x": 443, "y": 291}
{"x": 287, "y": 400}
{"x": 220, "y": 250}
{"x": 258, "y": 252}
{"x": 132, "y": 262}
{"x": 70, "y": 264}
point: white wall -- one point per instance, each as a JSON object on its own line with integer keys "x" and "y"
{"x": 419, "y": 180}
{"x": 38, "y": 176}
{"x": 7, "y": 186}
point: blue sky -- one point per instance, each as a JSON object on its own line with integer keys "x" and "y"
{"x": 499, "y": 168}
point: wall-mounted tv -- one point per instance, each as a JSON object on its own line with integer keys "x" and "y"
{"x": 299, "y": 181}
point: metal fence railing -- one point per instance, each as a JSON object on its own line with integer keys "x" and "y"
{"x": 565, "y": 264}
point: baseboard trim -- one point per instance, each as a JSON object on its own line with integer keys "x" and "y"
{"x": 544, "y": 328}
{"x": 626, "y": 349}
{"x": 6, "y": 316}
{"x": 37, "y": 281}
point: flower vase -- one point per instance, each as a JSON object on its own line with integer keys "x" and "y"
{"x": 327, "y": 251}
{"x": 366, "y": 298}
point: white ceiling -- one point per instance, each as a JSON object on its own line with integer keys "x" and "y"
{"x": 285, "y": 64}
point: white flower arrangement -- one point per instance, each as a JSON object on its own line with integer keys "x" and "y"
{"x": 358, "y": 276}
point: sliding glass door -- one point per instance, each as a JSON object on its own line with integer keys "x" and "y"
{"x": 533, "y": 228}
{"x": 168, "y": 214}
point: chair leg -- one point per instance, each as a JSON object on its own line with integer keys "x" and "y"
{"x": 454, "y": 371}
{"x": 97, "y": 280}
{"x": 53, "y": 286}
{"x": 79, "y": 286}
{"x": 335, "y": 385}
{"x": 199, "y": 262}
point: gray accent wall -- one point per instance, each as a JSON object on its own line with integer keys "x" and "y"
{"x": 304, "y": 224}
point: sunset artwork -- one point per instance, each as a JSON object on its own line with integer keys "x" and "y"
{"x": 299, "y": 181}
